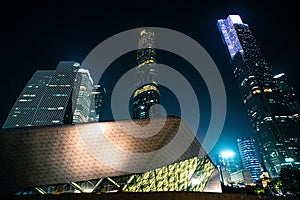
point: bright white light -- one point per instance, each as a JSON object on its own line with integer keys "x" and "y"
{"x": 195, "y": 181}
{"x": 88, "y": 190}
{"x": 289, "y": 159}
{"x": 279, "y": 75}
{"x": 236, "y": 19}
{"x": 227, "y": 154}
{"x": 76, "y": 64}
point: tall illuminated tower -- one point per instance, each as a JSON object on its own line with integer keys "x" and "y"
{"x": 147, "y": 92}
{"x": 83, "y": 99}
{"x": 276, "y": 126}
{"x": 250, "y": 157}
{"x": 97, "y": 103}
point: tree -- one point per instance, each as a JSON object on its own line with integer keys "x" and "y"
{"x": 290, "y": 180}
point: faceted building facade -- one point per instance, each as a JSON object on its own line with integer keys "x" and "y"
{"x": 105, "y": 157}
{"x": 277, "y": 127}
{"x": 188, "y": 175}
{"x": 250, "y": 157}
{"x": 147, "y": 92}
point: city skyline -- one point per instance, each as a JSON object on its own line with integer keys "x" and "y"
{"x": 269, "y": 101}
{"x": 71, "y": 50}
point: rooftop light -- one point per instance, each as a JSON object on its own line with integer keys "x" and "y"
{"x": 236, "y": 19}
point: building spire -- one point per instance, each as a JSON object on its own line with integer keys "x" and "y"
{"x": 146, "y": 78}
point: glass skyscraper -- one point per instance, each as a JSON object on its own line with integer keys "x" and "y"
{"x": 53, "y": 97}
{"x": 250, "y": 157}
{"x": 287, "y": 91}
{"x": 97, "y": 103}
{"x": 45, "y": 98}
{"x": 83, "y": 88}
{"x": 276, "y": 126}
{"x": 147, "y": 92}
{"x": 23, "y": 112}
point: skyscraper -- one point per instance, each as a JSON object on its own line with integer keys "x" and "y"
{"x": 53, "y": 97}
{"x": 276, "y": 126}
{"x": 147, "y": 92}
{"x": 250, "y": 157}
{"x": 287, "y": 91}
{"x": 97, "y": 103}
{"x": 45, "y": 98}
{"x": 83, "y": 87}
{"x": 23, "y": 111}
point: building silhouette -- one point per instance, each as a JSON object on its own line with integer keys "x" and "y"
{"x": 275, "y": 124}
{"x": 250, "y": 157}
{"x": 147, "y": 92}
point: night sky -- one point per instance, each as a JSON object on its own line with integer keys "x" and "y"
{"x": 36, "y": 35}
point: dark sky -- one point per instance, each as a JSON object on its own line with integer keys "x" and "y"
{"x": 38, "y": 34}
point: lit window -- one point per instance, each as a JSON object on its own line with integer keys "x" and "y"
{"x": 267, "y": 90}
{"x": 256, "y": 91}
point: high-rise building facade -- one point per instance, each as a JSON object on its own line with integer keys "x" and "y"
{"x": 97, "y": 103}
{"x": 83, "y": 87}
{"x": 46, "y": 99}
{"x": 241, "y": 177}
{"x": 287, "y": 92}
{"x": 56, "y": 106}
{"x": 228, "y": 162}
{"x": 53, "y": 97}
{"x": 24, "y": 110}
{"x": 276, "y": 126}
{"x": 250, "y": 157}
{"x": 147, "y": 92}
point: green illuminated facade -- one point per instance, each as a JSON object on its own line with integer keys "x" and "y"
{"x": 187, "y": 175}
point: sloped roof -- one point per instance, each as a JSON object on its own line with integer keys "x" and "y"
{"x": 48, "y": 155}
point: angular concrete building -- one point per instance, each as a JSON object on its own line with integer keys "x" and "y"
{"x": 161, "y": 154}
